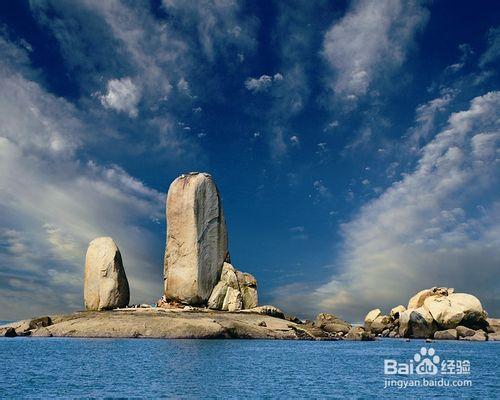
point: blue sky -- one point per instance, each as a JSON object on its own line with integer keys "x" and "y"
{"x": 356, "y": 145}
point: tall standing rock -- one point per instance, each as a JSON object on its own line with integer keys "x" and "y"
{"x": 105, "y": 282}
{"x": 196, "y": 239}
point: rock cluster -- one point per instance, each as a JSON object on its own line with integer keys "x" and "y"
{"x": 437, "y": 313}
{"x": 333, "y": 327}
{"x": 197, "y": 269}
{"x": 29, "y": 327}
{"x": 235, "y": 291}
{"x": 105, "y": 282}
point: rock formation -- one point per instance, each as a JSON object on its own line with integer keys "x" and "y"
{"x": 437, "y": 313}
{"x": 332, "y": 324}
{"x": 197, "y": 268}
{"x": 248, "y": 289}
{"x": 370, "y": 317}
{"x": 235, "y": 291}
{"x": 448, "y": 334}
{"x": 196, "y": 245}
{"x": 380, "y": 324}
{"x": 396, "y": 311}
{"x": 105, "y": 282}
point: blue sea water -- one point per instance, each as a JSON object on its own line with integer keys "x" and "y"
{"x": 194, "y": 369}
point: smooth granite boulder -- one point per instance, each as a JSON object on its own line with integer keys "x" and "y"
{"x": 228, "y": 279}
{"x": 248, "y": 289}
{"x": 493, "y": 325}
{"x": 447, "y": 314}
{"x": 105, "y": 282}
{"x": 455, "y": 309}
{"x": 479, "y": 336}
{"x": 381, "y": 323}
{"x": 332, "y": 324}
{"x": 358, "y": 333}
{"x": 370, "y": 317}
{"x": 474, "y": 315}
{"x": 337, "y": 327}
{"x": 232, "y": 301}
{"x": 235, "y": 291}
{"x": 272, "y": 311}
{"x": 448, "y": 334}
{"x": 418, "y": 300}
{"x": 422, "y": 324}
{"x": 196, "y": 239}
{"x": 463, "y": 331}
{"x": 396, "y": 311}
{"x": 417, "y": 323}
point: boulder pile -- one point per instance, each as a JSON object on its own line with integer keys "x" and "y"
{"x": 332, "y": 327}
{"x": 235, "y": 291}
{"x": 437, "y": 313}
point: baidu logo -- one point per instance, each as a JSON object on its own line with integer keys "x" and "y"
{"x": 428, "y": 369}
{"x": 424, "y": 362}
{"x": 427, "y": 360}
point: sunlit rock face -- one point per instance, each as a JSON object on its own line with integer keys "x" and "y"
{"x": 105, "y": 282}
{"x": 248, "y": 289}
{"x": 196, "y": 239}
{"x": 235, "y": 291}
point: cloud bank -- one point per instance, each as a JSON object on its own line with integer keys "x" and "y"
{"x": 439, "y": 225}
{"x": 369, "y": 43}
{"x": 53, "y": 202}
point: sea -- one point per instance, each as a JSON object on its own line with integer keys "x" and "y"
{"x": 46, "y": 368}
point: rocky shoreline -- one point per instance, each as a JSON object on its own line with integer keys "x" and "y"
{"x": 163, "y": 323}
{"x": 206, "y": 297}
{"x": 436, "y": 313}
{"x": 264, "y": 322}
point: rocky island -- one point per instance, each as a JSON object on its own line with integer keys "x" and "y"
{"x": 206, "y": 297}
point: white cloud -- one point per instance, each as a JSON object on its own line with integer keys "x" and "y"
{"x": 290, "y": 89}
{"x": 183, "y": 87}
{"x": 331, "y": 126}
{"x": 53, "y": 203}
{"x": 370, "y": 41}
{"x": 277, "y": 143}
{"x": 12, "y": 242}
{"x": 426, "y": 115}
{"x": 132, "y": 60}
{"x": 47, "y": 124}
{"x": 298, "y": 233}
{"x": 278, "y": 77}
{"x": 123, "y": 96}
{"x": 263, "y": 83}
{"x": 259, "y": 84}
{"x": 321, "y": 190}
{"x": 492, "y": 53}
{"x": 219, "y": 24}
{"x": 465, "y": 53}
{"x": 439, "y": 225}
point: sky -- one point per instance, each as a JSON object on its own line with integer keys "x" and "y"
{"x": 356, "y": 145}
